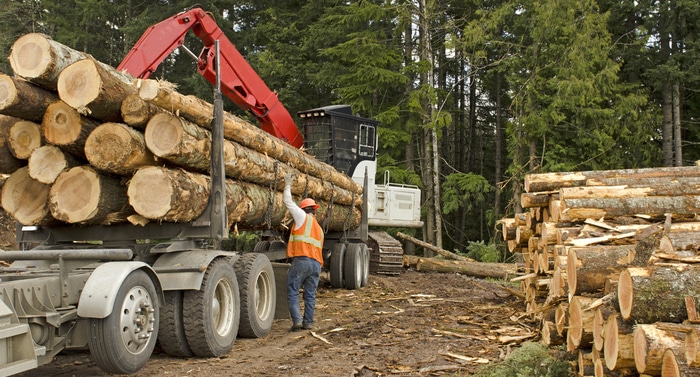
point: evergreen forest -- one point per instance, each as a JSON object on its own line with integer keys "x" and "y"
{"x": 471, "y": 95}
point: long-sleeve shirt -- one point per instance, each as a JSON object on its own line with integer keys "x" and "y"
{"x": 297, "y": 213}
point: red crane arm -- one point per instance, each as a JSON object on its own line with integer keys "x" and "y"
{"x": 239, "y": 81}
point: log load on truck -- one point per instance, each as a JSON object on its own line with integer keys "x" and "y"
{"x": 123, "y": 223}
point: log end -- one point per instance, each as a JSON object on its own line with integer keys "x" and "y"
{"x": 163, "y": 134}
{"x": 150, "y": 192}
{"x": 31, "y": 55}
{"x": 79, "y": 84}
{"x": 8, "y": 91}
{"x": 640, "y": 349}
{"x": 46, "y": 163}
{"x": 25, "y": 198}
{"x": 625, "y": 293}
{"x": 62, "y": 123}
{"x": 25, "y": 137}
{"x": 74, "y": 196}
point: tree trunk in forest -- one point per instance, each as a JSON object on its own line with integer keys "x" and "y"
{"x": 24, "y": 138}
{"x": 657, "y": 293}
{"x": 650, "y": 342}
{"x": 499, "y": 147}
{"x": 180, "y": 196}
{"x": 95, "y": 89}
{"x": 64, "y": 127}
{"x": 677, "y": 135}
{"x": 117, "y": 148}
{"x": 200, "y": 112}
{"x": 23, "y": 100}
{"x": 39, "y": 59}
{"x": 136, "y": 112}
{"x": 26, "y": 199}
{"x": 48, "y": 161}
{"x": 81, "y": 195}
{"x": 183, "y": 143}
{"x": 8, "y": 162}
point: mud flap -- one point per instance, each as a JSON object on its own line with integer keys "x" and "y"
{"x": 282, "y": 308}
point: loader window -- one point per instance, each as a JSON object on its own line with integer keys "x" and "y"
{"x": 367, "y": 140}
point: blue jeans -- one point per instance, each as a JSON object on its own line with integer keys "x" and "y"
{"x": 305, "y": 273}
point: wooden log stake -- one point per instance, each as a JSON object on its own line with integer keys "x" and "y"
{"x": 657, "y": 293}
{"x": 81, "y": 195}
{"x": 200, "y": 112}
{"x": 26, "y": 199}
{"x": 25, "y": 137}
{"x": 650, "y": 342}
{"x": 95, "y": 89}
{"x": 48, "y": 161}
{"x": 39, "y": 59}
{"x": 64, "y": 127}
{"x": 8, "y": 162}
{"x": 21, "y": 99}
{"x": 117, "y": 148}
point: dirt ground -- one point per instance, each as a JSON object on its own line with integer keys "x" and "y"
{"x": 411, "y": 324}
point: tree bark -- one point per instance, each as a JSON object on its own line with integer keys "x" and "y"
{"x": 26, "y": 199}
{"x": 588, "y": 268}
{"x": 23, "y": 100}
{"x": 183, "y": 143}
{"x": 8, "y": 162}
{"x": 657, "y": 293}
{"x": 580, "y": 330}
{"x": 25, "y": 137}
{"x": 137, "y": 112}
{"x": 596, "y": 208}
{"x": 692, "y": 347}
{"x": 48, "y": 161}
{"x": 674, "y": 366}
{"x": 117, "y": 148}
{"x": 443, "y": 252}
{"x": 95, "y": 89}
{"x": 64, "y": 127}
{"x": 476, "y": 269}
{"x": 39, "y": 59}
{"x": 200, "y": 112}
{"x": 81, "y": 195}
{"x": 180, "y": 196}
{"x": 650, "y": 342}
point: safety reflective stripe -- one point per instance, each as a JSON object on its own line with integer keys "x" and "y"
{"x": 306, "y": 236}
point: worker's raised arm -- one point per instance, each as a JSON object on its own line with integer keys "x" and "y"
{"x": 297, "y": 213}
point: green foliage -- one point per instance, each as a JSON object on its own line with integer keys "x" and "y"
{"x": 530, "y": 360}
{"x": 482, "y": 252}
{"x": 464, "y": 191}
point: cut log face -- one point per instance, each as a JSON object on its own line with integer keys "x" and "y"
{"x": 47, "y": 162}
{"x": 26, "y": 199}
{"x": 65, "y": 127}
{"x": 39, "y": 59}
{"x": 25, "y": 137}
{"x": 650, "y": 342}
{"x": 117, "y": 148}
{"x": 8, "y": 162}
{"x": 23, "y": 100}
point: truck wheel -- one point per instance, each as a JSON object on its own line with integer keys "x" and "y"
{"x": 171, "y": 334}
{"x": 213, "y": 312}
{"x": 122, "y": 342}
{"x": 353, "y": 266}
{"x": 365, "y": 265}
{"x": 336, "y": 269}
{"x": 258, "y": 295}
{"x": 261, "y": 246}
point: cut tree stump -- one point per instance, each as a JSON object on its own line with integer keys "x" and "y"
{"x": 81, "y": 195}
{"x": 23, "y": 100}
{"x": 26, "y": 199}
{"x": 39, "y": 59}
{"x": 25, "y": 137}
{"x": 657, "y": 293}
{"x": 650, "y": 342}
{"x": 95, "y": 89}
{"x": 117, "y": 148}
{"x": 200, "y": 112}
{"x": 64, "y": 127}
{"x": 8, "y": 162}
{"x": 48, "y": 161}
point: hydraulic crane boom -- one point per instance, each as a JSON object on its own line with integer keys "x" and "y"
{"x": 239, "y": 81}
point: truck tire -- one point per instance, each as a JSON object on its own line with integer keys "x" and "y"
{"x": 171, "y": 334}
{"x": 365, "y": 265}
{"x": 213, "y": 312}
{"x": 352, "y": 266}
{"x": 123, "y": 342}
{"x": 336, "y": 268}
{"x": 261, "y": 246}
{"x": 258, "y": 295}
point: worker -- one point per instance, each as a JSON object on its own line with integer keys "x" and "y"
{"x": 305, "y": 250}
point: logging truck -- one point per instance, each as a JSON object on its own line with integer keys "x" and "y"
{"x": 118, "y": 288}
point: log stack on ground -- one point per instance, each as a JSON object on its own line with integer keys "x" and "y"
{"x": 110, "y": 149}
{"x": 613, "y": 254}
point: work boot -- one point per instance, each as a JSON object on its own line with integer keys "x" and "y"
{"x": 297, "y": 327}
{"x": 307, "y": 326}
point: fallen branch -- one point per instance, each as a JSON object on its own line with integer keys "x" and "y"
{"x": 443, "y": 252}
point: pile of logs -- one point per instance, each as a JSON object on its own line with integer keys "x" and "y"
{"x": 85, "y": 144}
{"x": 612, "y": 267}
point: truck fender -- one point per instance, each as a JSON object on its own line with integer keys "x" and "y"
{"x": 100, "y": 290}
{"x": 185, "y": 270}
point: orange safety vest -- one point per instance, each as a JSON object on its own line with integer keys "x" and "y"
{"x": 307, "y": 240}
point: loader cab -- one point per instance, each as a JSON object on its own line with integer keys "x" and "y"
{"x": 349, "y": 143}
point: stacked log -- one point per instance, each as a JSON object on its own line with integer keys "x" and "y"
{"x": 96, "y": 146}
{"x": 611, "y": 259}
